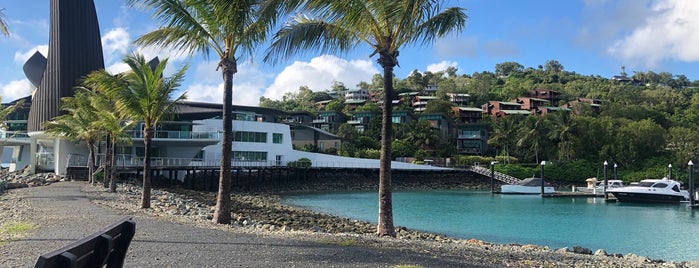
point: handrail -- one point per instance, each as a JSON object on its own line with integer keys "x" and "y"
{"x": 498, "y": 176}
{"x": 189, "y": 135}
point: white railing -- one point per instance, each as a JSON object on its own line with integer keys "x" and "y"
{"x": 13, "y": 135}
{"x": 185, "y": 135}
{"x": 498, "y": 176}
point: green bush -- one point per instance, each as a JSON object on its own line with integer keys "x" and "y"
{"x": 302, "y": 163}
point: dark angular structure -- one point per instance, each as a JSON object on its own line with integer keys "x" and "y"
{"x": 75, "y": 49}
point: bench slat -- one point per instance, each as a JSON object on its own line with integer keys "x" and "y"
{"x": 105, "y": 247}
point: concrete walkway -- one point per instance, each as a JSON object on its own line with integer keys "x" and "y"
{"x": 64, "y": 214}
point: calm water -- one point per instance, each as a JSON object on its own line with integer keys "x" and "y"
{"x": 668, "y": 232}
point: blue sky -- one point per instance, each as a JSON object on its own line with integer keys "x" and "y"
{"x": 591, "y": 37}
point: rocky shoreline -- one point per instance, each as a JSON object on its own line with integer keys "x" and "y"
{"x": 262, "y": 212}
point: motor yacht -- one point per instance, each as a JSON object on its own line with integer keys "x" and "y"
{"x": 651, "y": 191}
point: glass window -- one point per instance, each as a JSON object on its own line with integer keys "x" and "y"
{"x": 247, "y": 136}
{"x": 277, "y": 138}
{"x": 249, "y": 156}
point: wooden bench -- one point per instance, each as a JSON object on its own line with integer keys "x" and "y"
{"x": 105, "y": 247}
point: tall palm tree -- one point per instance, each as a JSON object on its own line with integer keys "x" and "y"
{"x": 116, "y": 126}
{"x": 232, "y": 29}
{"x": 386, "y": 26}
{"x": 77, "y": 124}
{"x": 3, "y": 24}
{"x": 141, "y": 94}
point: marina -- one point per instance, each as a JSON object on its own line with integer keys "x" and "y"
{"x": 660, "y": 231}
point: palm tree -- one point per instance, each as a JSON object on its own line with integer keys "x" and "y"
{"x": 3, "y": 24}
{"x": 386, "y": 26}
{"x": 232, "y": 29}
{"x": 564, "y": 134}
{"x": 141, "y": 94}
{"x": 503, "y": 133}
{"x": 116, "y": 126}
{"x": 77, "y": 124}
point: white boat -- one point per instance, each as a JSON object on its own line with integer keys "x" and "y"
{"x": 597, "y": 187}
{"x": 526, "y": 186}
{"x": 651, "y": 191}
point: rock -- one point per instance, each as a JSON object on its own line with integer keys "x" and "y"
{"x": 636, "y": 258}
{"x": 562, "y": 250}
{"x": 582, "y": 250}
{"x": 316, "y": 229}
{"x": 600, "y": 252}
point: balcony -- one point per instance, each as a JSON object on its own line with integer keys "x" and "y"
{"x": 181, "y": 135}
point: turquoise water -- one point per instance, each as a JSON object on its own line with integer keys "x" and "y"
{"x": 668, "y": 232}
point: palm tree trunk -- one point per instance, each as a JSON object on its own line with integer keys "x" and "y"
{"x": 107, "y": 163}
{"x": 113, "y": 172}
{"x": 385, "y": 226}
{"x": 145, "y": 196}
{"x": 91, "y": 161}
{"x": 222, "y": 213}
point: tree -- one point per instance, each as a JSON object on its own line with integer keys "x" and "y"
{"x": 78, "y": 123}
{"x": 386, "y": 26}
{"x": 232, "y": 29}
{"x": 114, "y": 124}
{"x": 553, "y": 66}
{"x": 3, "y": 24}
{"x": 141, "y": 94}
{"x": 507, "y": 68}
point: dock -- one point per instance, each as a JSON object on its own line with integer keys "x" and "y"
{"x": 610, "y": 197}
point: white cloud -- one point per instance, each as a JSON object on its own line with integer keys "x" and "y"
{"x": 115, "y": 44}
{"x": 22, "y": 57}
{"x": 248, "y": 84}
{"x": 441, "y": 66}
{"x": 116, "y": 68}
{"x": 319, "y": 73}
{"x": 671, "y": 32}
{"x": 14, "y": 90}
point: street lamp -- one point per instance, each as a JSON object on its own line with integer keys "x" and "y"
{"x": 605, "y": 180}
{"x": 492, "y": 176}
{"x": 615, "y": 177}
{"x": 691, "y": 183}
{"x": 543, "y": 163}
{"x": 669, "y": 168}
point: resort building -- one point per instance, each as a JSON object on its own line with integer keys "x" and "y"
{"x": 262, "y": 137}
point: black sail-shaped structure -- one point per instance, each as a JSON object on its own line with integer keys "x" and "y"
{"x": 75, "y": 49}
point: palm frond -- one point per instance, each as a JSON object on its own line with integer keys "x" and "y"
{"x": 307, "y": 34}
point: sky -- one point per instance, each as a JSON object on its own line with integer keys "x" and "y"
{"x": 589, "y": 37}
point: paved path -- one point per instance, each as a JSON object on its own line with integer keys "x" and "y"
{"x": 64, "y": 214}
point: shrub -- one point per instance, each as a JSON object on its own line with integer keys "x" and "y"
{"x": 302, "y": 163}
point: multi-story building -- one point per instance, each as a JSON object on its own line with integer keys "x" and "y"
{"x": 554, "y": 97}
{"x": 329, "y": 120}
{"x": 502, "y": 108}
{"x": 472, "y": 139}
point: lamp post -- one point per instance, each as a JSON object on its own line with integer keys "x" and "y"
{"x": 543, "y": 163}
{"x": 492, "y": 176}
{"x": 669, "y": 168}
{"x": 615, "y": 177}
{"x": 605, "y": 180}
{"x": 691, "y": 182}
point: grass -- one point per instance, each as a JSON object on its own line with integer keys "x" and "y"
{"x": 11, "y": 231}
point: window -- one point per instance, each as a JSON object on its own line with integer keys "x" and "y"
{"x": 249, "y": 156}
{"x": 247, "y": 136}
{"x": 277, "y": 138}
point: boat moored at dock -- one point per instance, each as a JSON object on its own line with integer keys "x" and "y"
{"x": 651, "y": 191}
